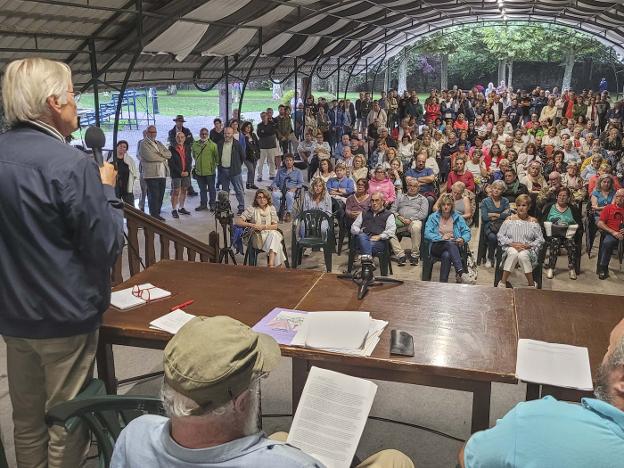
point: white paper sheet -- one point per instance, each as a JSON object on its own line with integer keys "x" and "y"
{"x": 337, "y": 330}
{"x": 331, "y": 416}
{"x": 554, "y": 364}
{"x": 125, "y": 300}
{"x": 171, "y": 322}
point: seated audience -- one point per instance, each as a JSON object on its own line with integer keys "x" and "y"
{"x": 602, "y": 195}
{"x": 359, "y": 170}
{"x": 463, "y": 201}
{"x": 460, "y": 174}
{"x": 213, "y": 410}
{"x": 513, "y": 186}
{"x": 261, "y": 217}
{"x": 286, "y": 183}
{"x": 358, "y": 202}
{"x": 410, "y": 210}
{"x": 373, "y": 226}
{"x": 551, "y": 433}
{"x": 549, "y": 193}
{"x": 425, "y": 177}
{"x": 395, "y": 172}
{"x": 520, "y": 237}
{"x": 380, "y": 182}
{"x": 611, "y": 222}
{"x": 316, "y": 198}
{"x": 494, "y": 209}
{"x": 575, "y": 183}
{"x": 325, "y": 170}
{"x": 447, "y": 232}
{"x": 339, "y": 188}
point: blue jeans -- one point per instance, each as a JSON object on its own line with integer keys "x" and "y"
{"x": 448, "y": 253}
{"x": 237, "y": 182}
{"x": 367, "y": 246}
{"x": 609, "y": 244}
{"x": 277, "y": 199}
{"x": 492, "y": 244}
{"x": 207, "y": 185}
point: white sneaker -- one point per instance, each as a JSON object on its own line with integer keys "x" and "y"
{"x": 488, "y": 264}
{"x": 550, "y": 273}
{"x": 572, "y": 274}
{"x": 502, "y": 285}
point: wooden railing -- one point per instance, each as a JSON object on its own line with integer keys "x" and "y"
{"x": 185, "y": 247}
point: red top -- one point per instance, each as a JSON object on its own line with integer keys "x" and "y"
{"x": 612, "y": 216}
{"x": 182, "y": 153}
{"x": 467, "y": 178}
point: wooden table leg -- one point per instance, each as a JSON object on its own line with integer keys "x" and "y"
{"x": 533, "y": 391}
{"x": 106, "y": 367}
{"x": 481, "y": 394}
{"x": 300, "y": 369}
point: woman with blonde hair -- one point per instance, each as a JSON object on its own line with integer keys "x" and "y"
{"x": 359, "y": 170}
{"x": 261, "y": 218}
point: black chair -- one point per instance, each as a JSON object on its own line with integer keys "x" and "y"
{"x": 385, "y": 266}
{"x": 313, "y": 236}
{"x": 251, "y": 253}
{"x": 104, "y": 415}
{"x": 619, "y": 252}
{"x": 428, "y": 260}
{"x": 537, "y": 271}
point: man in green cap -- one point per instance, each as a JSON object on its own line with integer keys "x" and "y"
{"x": 211, "y": 394}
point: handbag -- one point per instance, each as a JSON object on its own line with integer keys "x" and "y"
{"x": 472, "y": 270}
{"x": 494, "y": 226}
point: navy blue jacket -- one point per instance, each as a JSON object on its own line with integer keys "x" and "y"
{"x": 59, "y": 237}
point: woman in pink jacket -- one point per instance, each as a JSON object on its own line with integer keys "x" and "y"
{"x": 382, "y": 183}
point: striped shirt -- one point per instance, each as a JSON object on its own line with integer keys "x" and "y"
{"x": 522, "y": 232}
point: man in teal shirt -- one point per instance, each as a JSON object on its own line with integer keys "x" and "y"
{"x": 549, "y": 433}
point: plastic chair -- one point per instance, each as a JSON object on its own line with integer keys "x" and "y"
{"x": 428, "y": 261}
{"x": 105, "y": 415}
{"x": 385, "y": 266}
{"x": 314, "y": 237}
{"x": 537, "y": 271}
{"x": 251, "y": 253}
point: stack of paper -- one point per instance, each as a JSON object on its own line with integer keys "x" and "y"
{"x": 331, "y": 416}
{"x": 339, "y": 331}
{"x": 126, "y": 299}
{"x": 171, "y": 322}
{"x": 554, "y": 364}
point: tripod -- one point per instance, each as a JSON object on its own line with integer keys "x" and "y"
{"x": 365, "y": 277}
{"x": 225, "y": 252}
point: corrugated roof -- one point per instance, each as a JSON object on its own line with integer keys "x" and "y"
{"x": 184, "y": 40}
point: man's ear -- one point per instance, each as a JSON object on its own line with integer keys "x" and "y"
{"x": 617, "y": 381}
{"x": 241, "y": 402}
{"x": 54, "y": 104}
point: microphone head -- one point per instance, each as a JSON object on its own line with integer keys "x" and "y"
{"x": 94, "y": 137}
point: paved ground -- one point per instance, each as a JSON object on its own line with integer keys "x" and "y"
{"x": 442, "y": 410}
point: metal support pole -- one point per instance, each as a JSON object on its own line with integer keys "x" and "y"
{"x": 94, "y": 74}
{"x": 227, "y": 90}
{"x": 296, "y": 99}
{"x": 249, "y": 71}
{"x": 338, "y": 81}
{"x": 366, "y": 71}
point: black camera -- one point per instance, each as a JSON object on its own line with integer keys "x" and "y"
{"x": 223, "y": 208}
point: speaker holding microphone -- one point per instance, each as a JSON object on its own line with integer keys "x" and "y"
{"x": 95, "y": 140}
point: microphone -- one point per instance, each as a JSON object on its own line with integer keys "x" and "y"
{"x": 95, "y": 139}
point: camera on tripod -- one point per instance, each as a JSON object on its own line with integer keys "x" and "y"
{"x": 223, "y": 209}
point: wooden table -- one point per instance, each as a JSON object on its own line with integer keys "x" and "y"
{"x": 465, "y": 336}
{"x": 578, "y": 319}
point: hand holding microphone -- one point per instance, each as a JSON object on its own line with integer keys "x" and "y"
{"x": 95, "y": 139}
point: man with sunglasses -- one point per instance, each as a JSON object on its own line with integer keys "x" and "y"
{"x": 61, "y": 234}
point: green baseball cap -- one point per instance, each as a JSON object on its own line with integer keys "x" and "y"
{"x": 213, "y": 359}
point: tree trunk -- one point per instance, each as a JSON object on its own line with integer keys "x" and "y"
{"x": 501, "y": 71}
{"x": 569, "y": 67}
{"x": 510, "y": 75}
{"x": 444, "y": 71}
{"x": 402, "y": 74}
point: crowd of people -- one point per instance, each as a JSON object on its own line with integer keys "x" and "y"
{"x": 483, "y": 148}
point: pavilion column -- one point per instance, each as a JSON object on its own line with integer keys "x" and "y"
{"x": 402, "y": 75}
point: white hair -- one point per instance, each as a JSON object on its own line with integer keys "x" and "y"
{"x": 180, "y": 406}
{"x": 27, "y": 85}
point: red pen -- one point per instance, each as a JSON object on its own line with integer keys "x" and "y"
{"x": 183, "y": 305}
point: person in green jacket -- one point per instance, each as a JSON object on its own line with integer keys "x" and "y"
{"x": 204, "y": 153}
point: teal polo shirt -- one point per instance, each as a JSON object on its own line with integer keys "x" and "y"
{"x": 548, "y": 433}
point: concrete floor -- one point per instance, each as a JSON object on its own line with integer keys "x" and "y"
{"x": 447, "y": 411}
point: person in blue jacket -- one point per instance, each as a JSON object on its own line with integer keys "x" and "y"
{"x": 447, "y": 232}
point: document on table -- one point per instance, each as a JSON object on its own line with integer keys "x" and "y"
{"x": 281, "y": 324}
{"x": 334, "y": 330}
{"x": 126, "y": 299}
{"x": 171, "y": 322}
{"x": 331, "y": 416}
{"x": 554, "y": 364}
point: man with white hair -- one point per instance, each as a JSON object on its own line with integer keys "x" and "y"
{"x": 548, "y": 432}
{"x": 61, "y": 234}
{"x": 374, "y": 226}
{"x": 213, "y": 367}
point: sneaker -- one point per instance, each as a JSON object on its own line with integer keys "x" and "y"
{"x": 201, "y": 208}
{"x": 550, "y": 273}
{"x": 572, "y": 274}
{"x": 413, "y": 259}
{"x": 488, "y": 263}
{"x": 175, "y": 214}
{"x": 184, "y": 211}
{"x": 253, "y": 187}
{"x": 458, "y": 278}
{"x": 259, "y": 179}
{"x": 401, "y": 261}
{"x": 603, "y": 273}
{"x": 501, "y": 285}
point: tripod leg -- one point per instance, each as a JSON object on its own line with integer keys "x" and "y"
{"x": 231, "y": 256}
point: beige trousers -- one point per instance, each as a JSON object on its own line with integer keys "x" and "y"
{"x": 389, "y": 458}
{"x": 41, "y": 374}
{"x": 415, "y": 229}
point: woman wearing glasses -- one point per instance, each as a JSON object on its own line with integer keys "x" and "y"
{"x": 261, "y": 219}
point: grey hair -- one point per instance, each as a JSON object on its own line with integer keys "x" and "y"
{"x": 180, "y": 406}
{"x": 500, "y": 184}
{"x": 615, "y": 360}
{"x": 381, "y": 194}
{"x": 27, "y": 85}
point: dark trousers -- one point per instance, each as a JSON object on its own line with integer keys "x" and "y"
{"x": 207, "y": 185}
{"x": 609, "y": 244}
{"x": 448, "y": 253}
{"x": 155, "y": 194}
{"x": 313, "y": 167}
{"x": 554, "y": 243}
{"x": 251, "y": 171}
{"x": 226, "y": 178}
{"x": 492, "y": 244}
